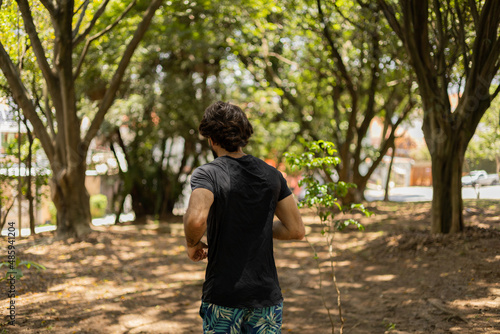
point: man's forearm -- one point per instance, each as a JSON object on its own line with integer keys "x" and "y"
{"x": 193, "y": 234}
{"x": 193, "y": 230}
{"x": 281, "y": 232}
{"x": 192, "y": 241}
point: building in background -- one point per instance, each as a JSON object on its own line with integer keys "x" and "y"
{"x": 411, "y": 165}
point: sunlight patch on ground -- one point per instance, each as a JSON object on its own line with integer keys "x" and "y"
{"x": 370, "y": 268}
{"x": 351, "y": 285}
{"x": 187, "y": 276}
{"x": 402, "y": 290}
{"x": 288, "y": 264}
{"x": 495, "y": 259}
{"x": 489, "y": 302}
{"x": 380, "y": 278}
{"x": 76, "y": 281}
{"x": 143, "y": 244}
{"x": 301, "y": 253}
{"x": 135, "y": 320}
{"x": 343, "y": 263}
{"x": 175, "y": 251}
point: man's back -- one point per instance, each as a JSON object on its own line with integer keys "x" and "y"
{"x": 235, "y": 198}
{"x": 241, "y": 270}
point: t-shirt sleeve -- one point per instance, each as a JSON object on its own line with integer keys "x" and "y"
{"x": 284, "y": 191}
{"x": 201, "y": 178}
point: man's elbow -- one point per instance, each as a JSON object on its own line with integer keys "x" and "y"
{"x": 299, "y": 234}
{"x": 194, "y": 222}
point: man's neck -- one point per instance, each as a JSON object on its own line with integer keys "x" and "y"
{"x": 236, "y": 154}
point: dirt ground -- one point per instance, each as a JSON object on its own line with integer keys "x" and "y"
{"x": 394, "y": 277}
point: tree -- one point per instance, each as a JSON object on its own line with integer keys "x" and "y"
{"x": 452, "y": 46}
{"x": 330, "y": 72}
{"x": 174, "y": 79}
{"x": 59, "y": 128}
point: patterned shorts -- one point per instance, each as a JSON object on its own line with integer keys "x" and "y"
{"x": 220, "y": 319}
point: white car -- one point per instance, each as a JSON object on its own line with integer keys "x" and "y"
{"x": 479, "y": 177}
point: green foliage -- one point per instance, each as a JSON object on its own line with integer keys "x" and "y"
{"x": 52, "y": 212}
{"x": 17, "y": 271}
{"x": 317, "y": 160}
{"x": 172, "y": 79}
{"x": 98, "y": 205}
{"x": 389, "y": 325}
{"x": 485, "y": 144}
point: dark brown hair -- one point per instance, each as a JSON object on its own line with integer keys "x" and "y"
{"x": 227, "y": 125}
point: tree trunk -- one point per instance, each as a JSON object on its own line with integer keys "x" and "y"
{"x": 4, "y": 215}
{"x": 142, "y": 204}
{"x": 447, "y": 141}
{"x": 118, "y": 212}
{"x": 388, "y": 179}
{"x": 29, "y": 190}
{"x": 447, "y": 216}
{"x": 355, "y": 195}
{"x": 73, "y": 204}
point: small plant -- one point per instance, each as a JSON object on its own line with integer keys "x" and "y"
{"x": 389, "y": 325}
{"x": 317, "y": 164}
{"x": 16, "y": 270}
{"x": 98, "y": 205}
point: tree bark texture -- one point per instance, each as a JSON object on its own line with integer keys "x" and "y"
{"x": 446, "y": 215}
{"x": 71, "y": 200}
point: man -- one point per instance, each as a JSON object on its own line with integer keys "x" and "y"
{"x": 235, "y": 198}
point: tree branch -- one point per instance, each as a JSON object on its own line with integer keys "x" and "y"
{"x": 354, "y": 24}
{"x": 37, "y": 45}
{"x": 344, "y": 150}
{"x": 441, "y": 45}
{"x": 370, "y": 108}
{"x": 474, "y": 12}
{"x": 283, "y": 59}
{"x": 486, "y": 47}
{"x": 98, "y": 35}
{"x": 80, "y": 7}
{"x": 110, "y": 94}
{"x": 389, "y": 141}
{"x": 50, "y": 6}
{"x": 335, "y": 53}
{"x": 22, "y": 99}
{"x": 495, "y": 93}
{"x": 78, "y": 39}
{"x": 490, "y": 65}
{"x": 83, "y": 7}
{"x": 390, "y": 15}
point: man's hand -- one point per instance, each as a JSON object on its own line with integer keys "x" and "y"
{"x": 198, "y": 252}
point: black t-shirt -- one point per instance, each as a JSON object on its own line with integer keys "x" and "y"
{"x": 241, "y": 270}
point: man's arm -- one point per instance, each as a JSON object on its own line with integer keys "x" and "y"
{"x": 290, "y": 225}
{"x": 195, "y": 222}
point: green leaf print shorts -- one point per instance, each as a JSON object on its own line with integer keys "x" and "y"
{"x": 221, "y": 320}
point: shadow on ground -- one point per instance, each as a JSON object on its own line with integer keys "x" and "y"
{"x": 393, "y": 277}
